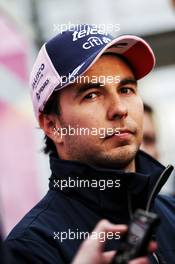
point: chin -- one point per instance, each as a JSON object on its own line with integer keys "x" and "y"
{"x": 119, "y": 157}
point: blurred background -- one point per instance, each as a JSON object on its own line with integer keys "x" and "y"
{"x": 24, "y": 26}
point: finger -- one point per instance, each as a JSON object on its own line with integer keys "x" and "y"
{"x": 107, "y": 256}
{"x": 105, "y": 226}
{"x": 152, "y": 246}
{"x": 140, "y": 261}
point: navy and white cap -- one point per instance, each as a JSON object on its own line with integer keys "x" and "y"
{"x": 71, "y": 53}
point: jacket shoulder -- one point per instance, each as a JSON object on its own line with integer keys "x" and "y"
{"x": 32, "y": 218}
{"x": 29, "y": 238}
{"x": 26, "y": 251}
{"x": 164, "y": 206}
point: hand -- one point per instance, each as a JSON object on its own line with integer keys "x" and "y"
{"x": 91, "y": 250}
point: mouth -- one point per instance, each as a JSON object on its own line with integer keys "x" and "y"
{"x": 120, "y": 131}
{"x": 121, "y": 134}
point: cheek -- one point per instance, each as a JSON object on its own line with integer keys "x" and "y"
{"x": 139, "y": 121}
{"x": 137, "y": 110}
{"x": 84, "y": 116}
{"x": 136, "y": 114}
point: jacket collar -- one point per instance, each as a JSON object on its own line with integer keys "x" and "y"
{"x": 110, "y": 201}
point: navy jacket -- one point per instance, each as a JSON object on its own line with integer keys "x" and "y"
{"x": 37, "y": 237}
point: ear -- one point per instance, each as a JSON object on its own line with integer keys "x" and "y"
{"x": 50, "y": 124}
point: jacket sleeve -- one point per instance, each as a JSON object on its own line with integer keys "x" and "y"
{"x": 165, "y": 207}
{"x": 24, "y": 251}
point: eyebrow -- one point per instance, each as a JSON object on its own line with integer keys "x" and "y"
{"x": 128, "y": 81}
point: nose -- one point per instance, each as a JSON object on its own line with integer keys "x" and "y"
{"x": 117, "y": 108}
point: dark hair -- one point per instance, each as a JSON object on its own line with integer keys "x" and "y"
{"x": 147, "y": 109}
{"x": 52, "y": 107}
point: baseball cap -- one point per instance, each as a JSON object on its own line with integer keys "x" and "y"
{"x": 71, "y": 53}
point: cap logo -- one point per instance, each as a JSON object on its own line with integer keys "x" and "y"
{"x": 95, "y": 41}
{"x": 41, "y": 89}
{"x": 38, "y": 76}
{"x": 76, "y": 70}
{"x": 89, "y": 31}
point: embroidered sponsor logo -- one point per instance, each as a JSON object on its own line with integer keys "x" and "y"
{"x": 75, "y": 71}
{"x": 38, "y": 76}
{"x": 95, "y": 41}
{"x": 41, "y": 89}
{"x": 85, "y": 32}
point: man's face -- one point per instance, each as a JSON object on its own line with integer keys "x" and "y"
{"x": 110, "y": 104}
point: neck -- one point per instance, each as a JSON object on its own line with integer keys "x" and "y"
{"x": 130, "y": 167}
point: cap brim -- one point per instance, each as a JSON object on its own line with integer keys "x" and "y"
{"x": 134, "y": 49}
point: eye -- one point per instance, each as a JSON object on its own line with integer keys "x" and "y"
{"x": 91, "y": 95}
{"x": 127, "y": 90}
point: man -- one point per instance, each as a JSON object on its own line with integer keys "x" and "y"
{"x": 85, "y": 97}
{"x": 149, "y": 142}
